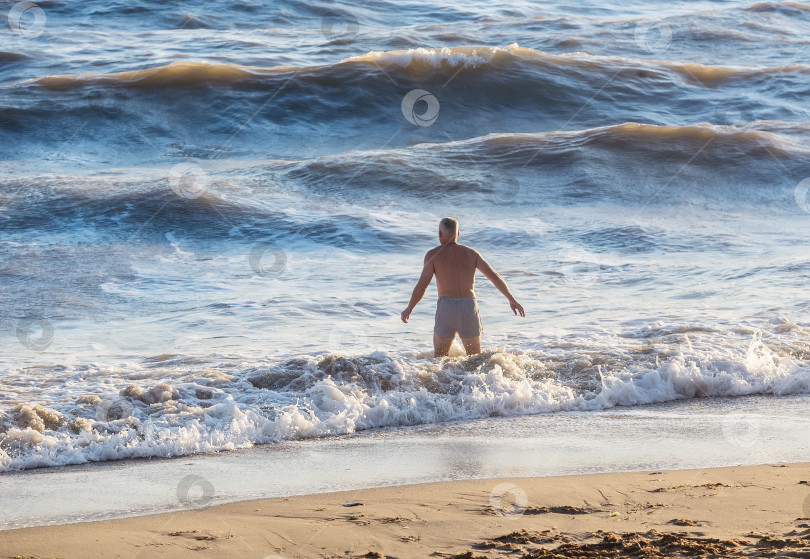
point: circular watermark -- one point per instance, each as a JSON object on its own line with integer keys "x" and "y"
{"x": 195, "y": 491}
{"x": 741, "y": 429}
{"x": 113, "y": 409}
{"x": 653, "y": 36}
{"x": 347, "y": 341}
{"x": 800, "y": 194}
{"x": 259, "y": 260}
{"x": 505, "y": 190}
{"x": 729, "y": 116}
{"x": 188, "y": 180}
{"x": 408, "y": 107}
{"x": 340, "y": 27}
{"x": 35, "y": 333}
{"x": 511, "y": 507}
{"x": 27, "y": 19}
{"x": 579, "y": 269}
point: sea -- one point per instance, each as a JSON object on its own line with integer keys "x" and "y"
{"x": 213, "y": 212}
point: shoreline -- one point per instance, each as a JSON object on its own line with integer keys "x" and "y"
{"x": 716, "y": 433}
{"x": 735, "y": 511}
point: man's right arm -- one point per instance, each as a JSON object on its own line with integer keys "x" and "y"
{"x": 498, "y": 282}
{"x": 421, "y": 287}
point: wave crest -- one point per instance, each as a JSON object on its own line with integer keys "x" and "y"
{"x": 415, "y": 61}
{"x": 336, "y": 394}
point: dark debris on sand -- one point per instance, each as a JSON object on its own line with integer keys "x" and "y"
{"x": 564, "y": 509}
{"x": 648, "y": 545}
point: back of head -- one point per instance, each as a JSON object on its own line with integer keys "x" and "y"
{"x": 450, "y": 226}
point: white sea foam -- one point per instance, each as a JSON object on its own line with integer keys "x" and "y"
{"x": 322, "y": 395}
{"x": 436, "y": 57}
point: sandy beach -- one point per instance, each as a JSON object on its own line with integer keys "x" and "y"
{"x": 745, "y": 511}
{"x": 223, "y": 277}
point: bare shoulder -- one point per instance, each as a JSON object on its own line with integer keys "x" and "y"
{"x": 431, "y": 254}
{"x": 471, "y": 252}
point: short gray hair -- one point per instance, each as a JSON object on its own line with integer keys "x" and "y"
{"x": 450, "y": 225}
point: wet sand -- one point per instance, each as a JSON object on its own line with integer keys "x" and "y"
{"x": 745, "y": 511}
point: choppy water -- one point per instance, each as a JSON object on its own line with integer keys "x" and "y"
{"x": 212, "y": 213}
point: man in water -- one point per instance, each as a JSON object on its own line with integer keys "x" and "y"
{"x": 457, "y": 309}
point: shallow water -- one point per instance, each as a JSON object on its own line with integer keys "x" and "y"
{"x": 212, "y": 214}
{"x": 659, "y": 437}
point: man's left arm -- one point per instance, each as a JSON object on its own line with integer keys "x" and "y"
{"x": 421, "y": 287}
{"x": 499, "y": 283}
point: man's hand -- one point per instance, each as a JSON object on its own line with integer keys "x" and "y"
{"x": 515, "y": 306}
{"x": 406, "y": 315}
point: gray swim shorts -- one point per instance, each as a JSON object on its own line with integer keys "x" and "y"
{"x": 457, "y": 315}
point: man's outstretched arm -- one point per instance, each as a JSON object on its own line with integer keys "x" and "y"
{"x": 498, "y": 282}
{"x": 421, "y": 287}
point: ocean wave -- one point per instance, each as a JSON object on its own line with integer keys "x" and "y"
{"x": 453, "y": 58}
{"x": 544, "y": 167}
{"x": 332, "y": 394}
{"x": 261, "y": 200}
{"x": 230, "y": 207}
{"x": 786, "y": 7}
{"x": 12, "y": 56}
{"x": 176, "y": 74}
{"x": 746, "y": 140}
{"x": 229, "y": 110}
{"x": 415, "y": 63}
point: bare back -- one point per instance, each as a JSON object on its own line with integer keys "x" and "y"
{"x": 454, "y": 266}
